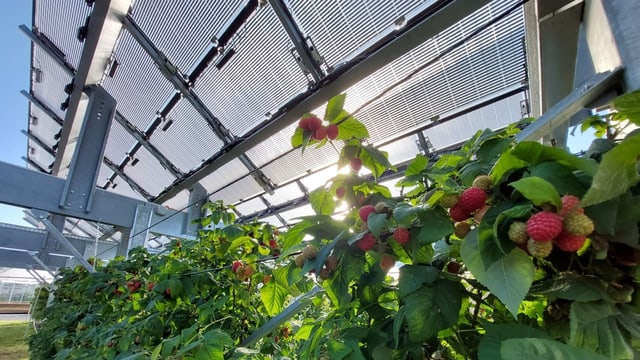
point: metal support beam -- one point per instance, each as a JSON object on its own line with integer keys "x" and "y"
{"x": 567, "y": 107}
{"x": 428, "y": 23}
{"x": 62, "y": 240}
{"x": 35, "y": 165}
{"x": 33, "y": 189}
{"x": 89, "y": 149}
{"x": 197, "y": 199}
{"x": 182, "y": 85}
{"x": 15, "y": 258}
{"x": 34, "y": 256}
{"x": 103, "y": 30}
{"x": 142, "y": 139}
{"x": 305, "y": 55}
{"x": 39, "y": 141}
{"x": 44, "y": 43}
{"x": 134, "y": 185}
{"x": 40, "y": 105}
{"x": 140, "y": 229}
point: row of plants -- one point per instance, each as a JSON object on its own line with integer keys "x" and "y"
{"x": 499, "y": 250}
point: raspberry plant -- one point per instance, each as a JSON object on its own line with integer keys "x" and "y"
{"x": 470, "y": 282}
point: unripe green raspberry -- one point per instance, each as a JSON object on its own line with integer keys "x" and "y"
{"x": 539, "y": 249}
{"x": 518, "y": 232}
{"x": 449, "y": 200}
{"x": 482, "y": 182}
{"x": 578, "y": 224}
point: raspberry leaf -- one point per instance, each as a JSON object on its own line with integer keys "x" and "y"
{"x": 508, "y": 278}
{"x": 335, "y": 108}
{"x": 375, "y": 223}
{"x": 351, "y": 128}
{"x": 536, "y": 153}
{"x": 435, "y": 226}
{"x": 621, "y": 164}
{"x": 375, "y": 160}
{"x": 538, "y": 190}
{"x": 322, "y": 202}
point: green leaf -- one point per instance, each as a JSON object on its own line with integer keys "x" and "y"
{"x": 621, "y": 164}
{"x": 404, "y": 213}
{"x": 337, "y": 350}
{"x": 561, "y": 177}
{"x": 218, "y": 338}
{"x": 351, "y": 128}
{"x": 322, "y": 202}
{"x": 505, "y": 165}
{"x": 572, "y": 287}
{"x": 509, "y": 278}
{"x": 528, "y": 348}
{"x": 334, "y": 108}
{"x": 245, "y": 241}
{"x": 628, "y": 105}
{"x": 435, "y": 226}
{"x": 375, "y": 160}
{"x": 412, "y": 277}
{"x": 207, "y": 352}
{"x": 536, "y": 153}
{"x": 489, "y": 347}
{"x": 376, "y": 222}
{"x": 432, "y": 308}
{"x": 491, "y": 148}
{"x": 397, "y": 325}
{"x": 538, "y": 190}
{"x": 417, "y": 165}
{"x": 273, "y": 296}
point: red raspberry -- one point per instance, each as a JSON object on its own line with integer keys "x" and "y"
{"x": 386, "y": 262}
{"x": 356, "y": 164}
{"x": 273, "y": 244}
{"x": 235, "y": 266}
{"x": 569, "y": 242}
{"x": 472, "y": 199}
{"x": 365, "y": 211}
{"x": 332, "y": 131}
{"x": 320, "y": 133}
{"x": 459, "y": 214}
{"x": 304, "y": 123}
{"x": 544, "y": 226}
{"x": 314, "y": 123}
{"x": 401, "y": 235}
{"x": 570, "y": 204}
{"x": 340, "y": 192}
{"x": 367, "y": 242}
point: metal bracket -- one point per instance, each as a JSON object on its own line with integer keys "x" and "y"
{"x": 82, "y": 177}
{"x": 56, "y": 234}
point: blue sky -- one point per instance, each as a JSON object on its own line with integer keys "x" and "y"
{"x": 14, "y": 63}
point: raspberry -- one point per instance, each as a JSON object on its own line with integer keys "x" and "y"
{"x": 367, "y": 242}
{"x": 320, "y": 133}
{"x": 383, "y": 208}
{"x": 273, "y": 243}
{"x": 314, "y": 123}
{"x": 332, "y": 131}
{"x": 365, "y": 211}
{"x": 449, "y": 200}
{"x": 539, "y": 249}
{"x": 300, "y": 259}
{"x": 331, "y": 263}
{"x": 578, "y": 224}
{"x": 482, "y": 182}
{"x": 472, "y": 199}
{"x": 462, "y": 229}
{"x": 304, "y": 123}
{"x": 569, "y": 242}
{"x": 386, "y": 262}
{"x": 459, "y": 214}
{"x": 518, "y": 232}
{"x": 340, "y": 192}
{"x": 356, "y": 164}
{"x": 570, "y": 204}
{"x": 310, "y": 252}
{"x": 324, "y": 274}
{"x": 401, "y": 235}
{"x": 544, "y": 226}
{"x": 235, "y": 266}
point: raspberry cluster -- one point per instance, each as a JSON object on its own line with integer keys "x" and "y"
{"x": 471, "y": 202}
{"x": 567, "y": 229}
{"x": 313, "y": 125}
